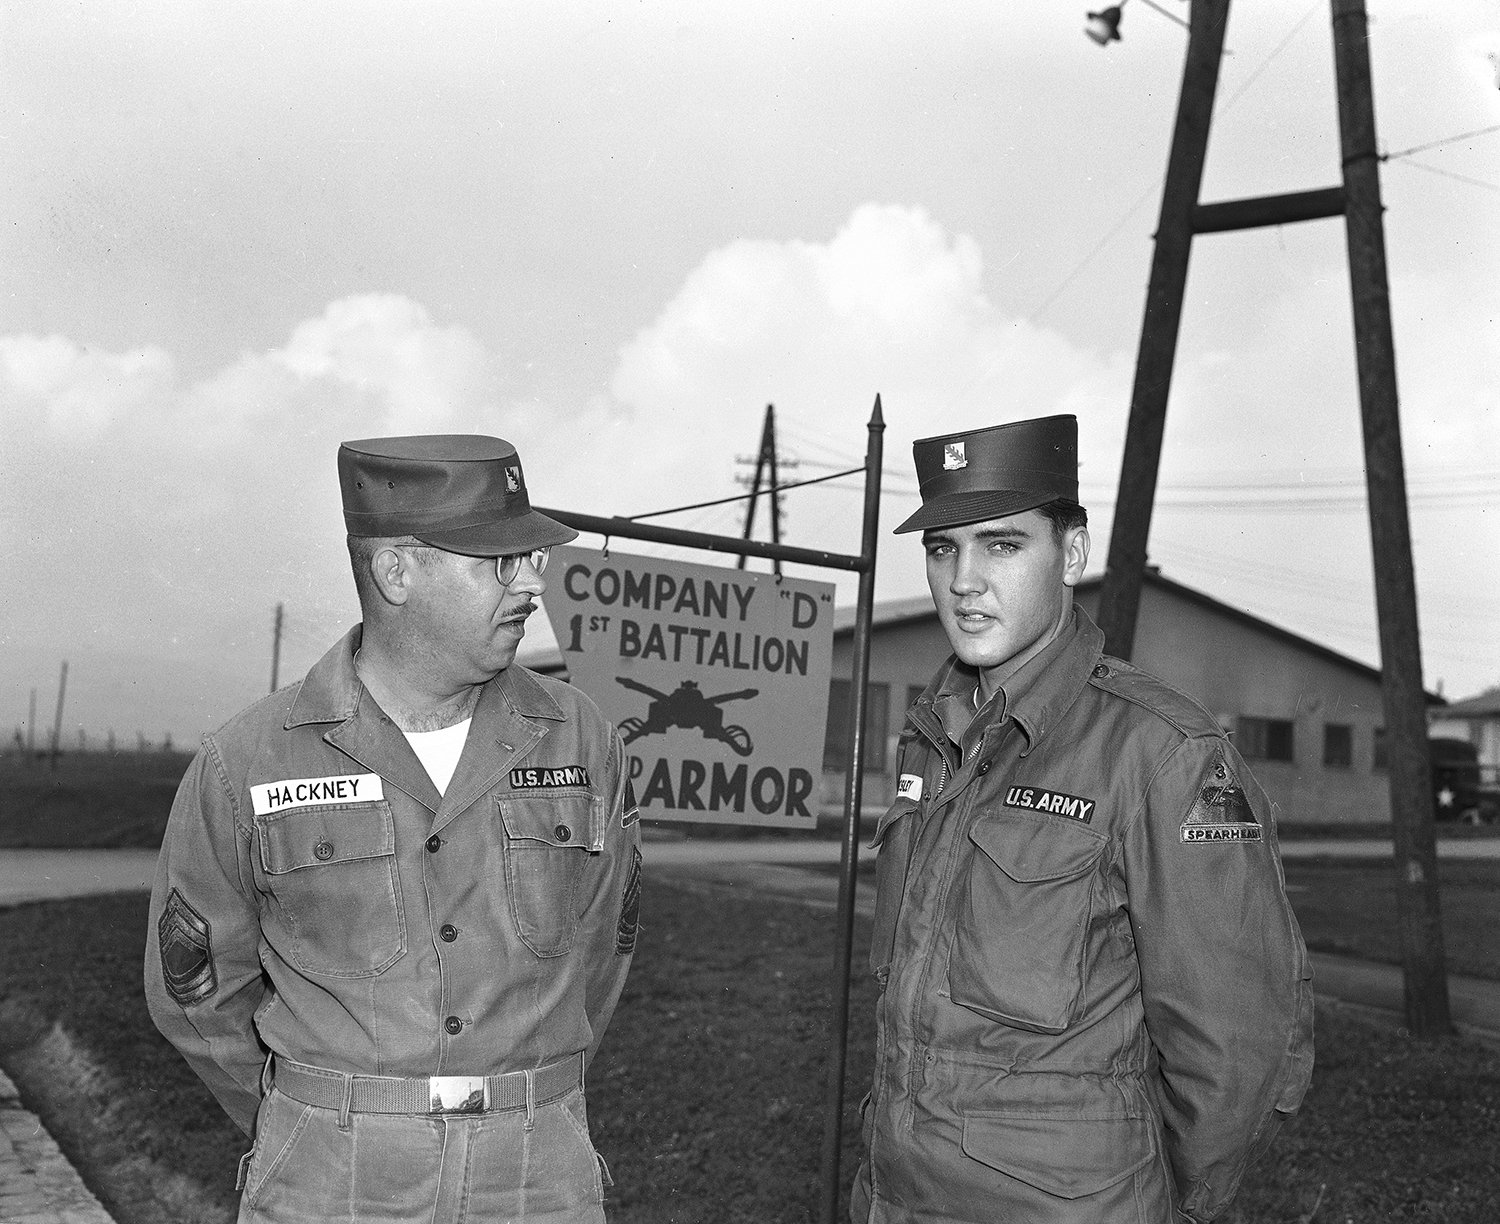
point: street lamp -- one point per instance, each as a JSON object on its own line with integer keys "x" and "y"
{"x": 1104, "y": 26}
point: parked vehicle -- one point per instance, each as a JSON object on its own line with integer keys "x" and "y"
{"x": 1455, "y": 780}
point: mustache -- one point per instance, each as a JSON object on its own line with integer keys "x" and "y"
{"x": 525, "y": 609}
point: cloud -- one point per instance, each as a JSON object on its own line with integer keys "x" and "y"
{"x": 151, "y": 515}
{"x": 893, "y": 303}
{"x": 76, "y": 391}
{"x": 425, "y": 376}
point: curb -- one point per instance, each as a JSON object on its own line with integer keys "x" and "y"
{"x": 38, "y": 1185}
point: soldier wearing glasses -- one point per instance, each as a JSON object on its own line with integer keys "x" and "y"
{"x": 396, "y": 902}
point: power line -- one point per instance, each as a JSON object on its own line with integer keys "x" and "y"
{"x": 1462, "y": 178}
{"x": 1093, "y": 253}
{"x": 1266, "y": 63}
{"x": 1437, "y": 144}
{"x": 719, "y": 501}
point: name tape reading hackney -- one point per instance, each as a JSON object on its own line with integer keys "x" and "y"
{"x": 717, "y": 679}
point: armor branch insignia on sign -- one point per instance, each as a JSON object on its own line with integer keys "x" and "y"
{"x": 687, "y": 707}
{"x": 1221, "y": 813}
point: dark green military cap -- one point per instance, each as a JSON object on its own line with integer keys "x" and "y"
{"x": 984, "y": 474}
{"x": 464, "y": 493}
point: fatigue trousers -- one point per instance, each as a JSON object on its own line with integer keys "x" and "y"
{"x": 312, "y": 1166}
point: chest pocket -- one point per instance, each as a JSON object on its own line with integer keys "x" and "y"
{"x": 331, "y": 872}
{"x": 1021, "y": 921}
{"x": 548, "y": 843}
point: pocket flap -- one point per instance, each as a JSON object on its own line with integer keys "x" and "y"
{"x": 892, "y": 817}
{"x": 1065, "y": 1156}
{"x": 319, "y": 836}
{"x": 1030, "y": 849}
{"x": 572, "y": 822}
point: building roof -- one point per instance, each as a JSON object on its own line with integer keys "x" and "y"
{"x": 893, "y": 613}
{"x": 1485, "y": 705}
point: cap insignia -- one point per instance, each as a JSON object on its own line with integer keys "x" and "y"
{"x": 512, "y": 479}
{"x": 953, "y": 457}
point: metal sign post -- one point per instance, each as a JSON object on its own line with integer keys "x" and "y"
{"x": 864, "y": 565}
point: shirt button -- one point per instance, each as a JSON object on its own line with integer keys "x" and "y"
{"x": 433, "y": 843}
{"x": 449, "y": 932}
{"x": 982, "y": 768}
{"x": 454, "y": 1025}
{"x": 563, "y": 833}
{"x": 1100, "y": 671}
{"x": 323, "y": 851}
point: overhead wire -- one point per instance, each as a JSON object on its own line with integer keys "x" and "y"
{"x": 1119, "y": 225}
{"x": 1437, "y": 144}
{"x": 1460, "y": 178}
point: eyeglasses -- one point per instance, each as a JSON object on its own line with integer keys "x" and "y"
{"x": 509, "y": 565}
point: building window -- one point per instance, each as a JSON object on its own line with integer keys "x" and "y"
{"x": 1264, "y": 739}
{"x": 836, "y": 739}
{"x": 1338, "y": 745}
{"x": 1382, "y": 750}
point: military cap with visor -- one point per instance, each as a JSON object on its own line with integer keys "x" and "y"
{"x": 992, "y": 473}
{"x": 463, "y": 493}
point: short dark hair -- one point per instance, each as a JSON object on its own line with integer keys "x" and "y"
{"x": 1064, "y": 515}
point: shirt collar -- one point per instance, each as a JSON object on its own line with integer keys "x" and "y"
{"x": 1035, "y": 697}
{"x": 331, "y": 691}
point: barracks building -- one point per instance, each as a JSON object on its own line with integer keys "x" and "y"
{"x": 1306, "y": 718}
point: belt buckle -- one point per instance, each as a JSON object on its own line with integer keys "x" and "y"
{"x": 457, "y": 1094}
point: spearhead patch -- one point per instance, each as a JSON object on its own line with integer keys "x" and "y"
{"x": 1221, "y": 813}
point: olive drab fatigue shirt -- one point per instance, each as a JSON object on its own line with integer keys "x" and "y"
{"x": 1096, "y": 1004}
{"x": 316, "y": 896}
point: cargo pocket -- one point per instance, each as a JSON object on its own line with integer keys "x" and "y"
{"x": 1021, "y": 921}
{"x": 547, "y": 848}
{"x": 1066, "y": 1156}
{"x": 332, "y": 877}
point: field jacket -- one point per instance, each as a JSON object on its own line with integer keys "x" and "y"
{"x": 1096, "y": 1004}
{"x": 317, "y": 897}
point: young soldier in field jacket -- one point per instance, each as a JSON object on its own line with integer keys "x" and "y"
{"x": 1096, "y": 1005}
{"x": 397, "y": 901}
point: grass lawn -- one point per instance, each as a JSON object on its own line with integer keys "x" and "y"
{"x": 91, "y": 800}
{"x": 1349, "y": 906}
{"x": 707, "y": 1096}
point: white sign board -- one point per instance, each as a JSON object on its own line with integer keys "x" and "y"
{"x": 716, "y": 677}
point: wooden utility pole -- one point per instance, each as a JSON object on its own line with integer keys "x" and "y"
{"x": 1126, "y": 563}
{"x": 62, "y": 688}
{"x": 1358, "y": 201}
{"x": 1427, "y": 1012}
{"x": 276, "y": 645}
{"x": 765, "y": 468}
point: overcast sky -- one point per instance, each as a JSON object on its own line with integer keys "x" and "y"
{"x": 612, "y": 233}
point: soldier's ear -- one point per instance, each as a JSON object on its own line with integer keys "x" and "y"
{"x": 1075, "y": 555}
{"x": 391, "y": 572}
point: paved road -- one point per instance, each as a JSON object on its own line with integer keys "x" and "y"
{"x": 39, "y": 875}
{"x": 36, "y": 875}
